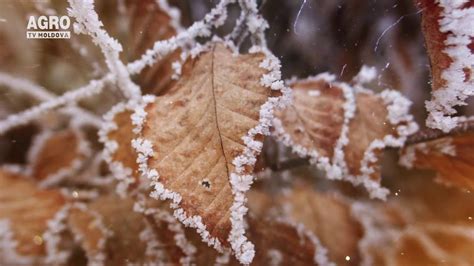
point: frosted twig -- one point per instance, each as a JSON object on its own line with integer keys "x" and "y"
{"x": 256, "y": 24}
{"x": 173, "y": 12}
{"x": 239, "y": 32}
{"x": 249, "y": 14}
{"x": 215, "y": 18}
{"x": 88, "y": 23}
{"x": 44, "y": 7}
{"x": 432, "y": 134}
{"x": 94, "y": 87}
{"x": 52, "y": 236}
{"x": 27, "y": 87}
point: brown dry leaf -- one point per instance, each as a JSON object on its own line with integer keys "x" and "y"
{"x": 56, "y": 155}
{"x": 122, "y": 160}
{"x": 27, "y": 210}
{"x": 204, "y": 254}
{"x": 197, "y": 131}
{"x": 274, "y": 240}
{"x": 169, "y": 251}
{"x": 178, "y": 244}
{"x": 314, "y": 122}
{"x": 427, "y": 224}
{"x": 329, "y": 218}
{"x": 276, "y": 243}
{"x": 447, "y": 42}
{"x": 325, "y": 215}
{"x": 452, "y": 157}
{"x": 85, "y": 227}
{"x": 392, "y": 239}
{"x": 369, "y": 123}
{"x": 150, "y": 22}
{"x": 434, "y": 41}
{"x": 111, "y": 220}
{"x": 281, "y": 242}
{"x": 313, "y": 126}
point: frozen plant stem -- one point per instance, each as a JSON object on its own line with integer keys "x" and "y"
{"x": 431, "y": 134}
{"x": 94, "y": 87}
{"x": 215, "y": 18}
{"x": 27, "y": 87}
{"x": 88, "y": 23}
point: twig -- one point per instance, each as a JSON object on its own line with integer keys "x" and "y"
{"x": 87, "y": 22}
{"x": 431, "y": 134}
{"x": 94, "y": 87}
{"x": 27, "y": 87}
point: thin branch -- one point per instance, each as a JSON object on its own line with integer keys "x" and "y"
{"x": 88, "y": 22}
{"x": 215, "y": 18}
{"x": 94, "y": 87}
{"x": 432, "y": 134}
{"x": 27, "y": 87}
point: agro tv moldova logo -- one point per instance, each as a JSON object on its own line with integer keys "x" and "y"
{"x": 48, "y": 27}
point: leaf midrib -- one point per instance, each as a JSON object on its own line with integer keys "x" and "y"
{"x": 215, "y": 110}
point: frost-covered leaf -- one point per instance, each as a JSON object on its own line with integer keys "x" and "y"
{"x": 116, "y": 135}
{"x": 152, "y": 21}
{"x": 25, "y": 211}
{"x": 199, "y": 142}
{"x": 125, "y": 153}
{"x": 275, "y": 241}
{"x": 452, "y": 157}
{"x": 329, "y": 218}
{"x": 109, "y": 230}
{"x": 283, "y": 243}
{"x": 88, "y": 231}
{"x": 344, "y": 130}
{"x": 316, "y": 116}
{"x": 424, "y": 225}
{"x": 54, "y": 156}
{"x": 449, "y": 39}
{"x": 325, "y": 215}
{"x": 173, "y": 243}
{"x": 391, "y": 239}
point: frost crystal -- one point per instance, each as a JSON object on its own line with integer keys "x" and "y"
{"x": 456, "y": 22}
{"x": 365, "y": 75}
